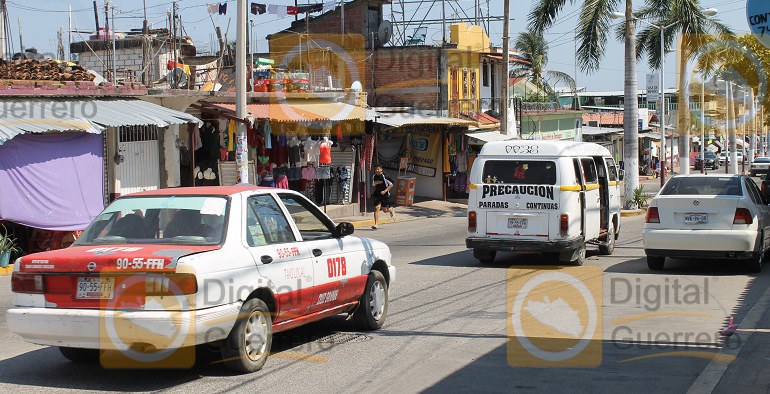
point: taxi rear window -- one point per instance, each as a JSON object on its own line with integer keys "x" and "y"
{"x": 520, "y": 172}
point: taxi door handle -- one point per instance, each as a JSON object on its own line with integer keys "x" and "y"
{"x": 266, "y": 259}
{"x": 317, "y": 252}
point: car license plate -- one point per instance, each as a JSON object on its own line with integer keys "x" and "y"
{"x": 95, "y": 288}
{"x": 696, "y": 218}
{"x": 517, "y": 223}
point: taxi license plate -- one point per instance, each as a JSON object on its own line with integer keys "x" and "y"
{"x": 517, "y": 223}
{"x": 696, "y": 218}
{"x": 95, "y": 288}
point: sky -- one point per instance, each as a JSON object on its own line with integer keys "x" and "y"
{"x": 41, "y": 20}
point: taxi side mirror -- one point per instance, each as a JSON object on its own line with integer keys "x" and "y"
{"x": 343, "y": 229}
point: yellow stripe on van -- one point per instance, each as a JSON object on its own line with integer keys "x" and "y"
{"x": 570, "y": 188}
{"x": 613, "y": 183}
{"x": 473, "y": 186}
{"x": 592, "y": 186}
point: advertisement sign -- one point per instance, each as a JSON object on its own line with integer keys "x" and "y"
{"x": 758, "y": 16}
{"x": 653, "y": 86}
{"x": 424, "y": 153}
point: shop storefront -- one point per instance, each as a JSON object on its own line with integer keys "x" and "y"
{"x": 302, "y": 149}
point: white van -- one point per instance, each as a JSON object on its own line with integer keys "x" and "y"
{"x": 543, "y": 197}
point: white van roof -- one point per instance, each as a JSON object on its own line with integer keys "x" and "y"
{"x": 543, "y": 148}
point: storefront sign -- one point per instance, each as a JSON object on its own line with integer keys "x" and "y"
{"x": 424, "y": 157}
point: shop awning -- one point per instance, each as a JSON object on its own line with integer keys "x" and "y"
{"x": 22, "y": 116}
{"x": 298, "y": 111}
{"x": 590, "y": 130}
{"x": 489, "y": 136}
{"x": 398, "y": 119}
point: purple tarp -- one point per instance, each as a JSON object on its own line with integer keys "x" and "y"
{"x": 52, "y": 181}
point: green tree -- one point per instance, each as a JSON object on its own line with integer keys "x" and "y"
{"x": 592, "y": 31}
{"x": 532, "y": 48}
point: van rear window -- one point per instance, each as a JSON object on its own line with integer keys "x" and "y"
{"x": 519, "y": 172}
{"x": 702, "y": 185}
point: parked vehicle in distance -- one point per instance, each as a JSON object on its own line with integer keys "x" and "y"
{"x": 759, "y": 166}
{"x": 543, "y": 197}
{"x": 707, "y": 216}
{"x": 711, "y": 161}
{"x": 245, "y": 262}
{"x": 724, "y": 157}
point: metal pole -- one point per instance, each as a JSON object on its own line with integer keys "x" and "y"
{"x": 733, "y": 136}
{"x": 743, "y": 137}
{"x": 443, "y": 24}
{"x": 506, "y": 62}
{"x": 114, "y": 62}
{"x": 69, "y": 35}
{"x": 21, "y": 41}
{"x": 240, "y": 93}
{"x": 703, "y": 127}
{"x": 662, "y": 120}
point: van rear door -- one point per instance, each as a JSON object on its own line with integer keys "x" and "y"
{"x": 518, "y": 197}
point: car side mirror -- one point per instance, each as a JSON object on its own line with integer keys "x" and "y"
{"x": 343, "y": 229}
{"x": 621, "y": 174}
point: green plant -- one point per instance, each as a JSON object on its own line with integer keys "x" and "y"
{"x": 639, "y": 198}
{"x": 7, "y": 243}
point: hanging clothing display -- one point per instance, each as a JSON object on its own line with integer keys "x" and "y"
{"x": 368, "y": 150}
{"x": 325, "y": 149}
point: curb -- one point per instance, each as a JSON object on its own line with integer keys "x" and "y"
{"x": 370, "y": 222}
{"x": 6, "y": 270}
{"x": 709, "y": 378}
{"x": 633, "y": 212}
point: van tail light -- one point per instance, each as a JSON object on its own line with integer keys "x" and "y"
{"x": 564, "y": 223}
{"x": 471, "y": 221}
{"x": 652, "y": 215}
{"x": 742, "y": 216}
{"x": 25, "y": 282}
{"x": 170, "y": 284}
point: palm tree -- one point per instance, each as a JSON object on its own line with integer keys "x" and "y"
{"x": 533, "y": 50}
{"x": 688, "y": 20}
{"x": 592, "y": 30}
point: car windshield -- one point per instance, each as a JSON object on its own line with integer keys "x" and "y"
{"x": 702, "y": 185}
{"x": 762, "y": 160}
{"x": 173, "y": 220}
{"x": 708, "y": 155}
{"x": 521, "y": 172}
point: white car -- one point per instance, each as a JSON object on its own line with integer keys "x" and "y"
{"x": 165, "y": 270}
{"x": 759, "y": 166}
{"x": 707, "y": 216}
{"x": 724, "y": 157}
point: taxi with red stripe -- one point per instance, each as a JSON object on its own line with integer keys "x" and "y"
{"x": 165, "y": 270}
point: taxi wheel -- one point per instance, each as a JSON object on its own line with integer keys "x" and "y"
{"x": 373, "y": 305}
{"x": 80, "y": 355}
{"x": 609, "y": 248}
{"x": 485, "y": 256}
{"x": 248, "y": 345}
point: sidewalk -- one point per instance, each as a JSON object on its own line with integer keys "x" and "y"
{"x": 422, "y": 209}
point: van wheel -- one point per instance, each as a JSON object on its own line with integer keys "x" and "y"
{"x": 248, "y": 345}
{"x": 575, "y": 256}
{"x": 485, "y": 256}
{"x": 656, "y": 263}
{"x": 609, "y": 247}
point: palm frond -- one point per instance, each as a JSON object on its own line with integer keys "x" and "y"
{"x": 593, "y": 27}
{"x": 544, "y": 13}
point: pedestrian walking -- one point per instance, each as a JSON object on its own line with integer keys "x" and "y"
{"x": 381, "y": 185}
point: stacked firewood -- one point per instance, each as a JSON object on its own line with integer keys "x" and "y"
{"x": 43, "y": 70}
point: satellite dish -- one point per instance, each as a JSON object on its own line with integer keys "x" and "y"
{"x": 384, "y": 32}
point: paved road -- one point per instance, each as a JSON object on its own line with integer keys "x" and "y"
{"x": 446, "y": 331}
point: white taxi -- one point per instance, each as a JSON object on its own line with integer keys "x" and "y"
{"x": 714, "y": 216}
{"x": 228, "y": 266}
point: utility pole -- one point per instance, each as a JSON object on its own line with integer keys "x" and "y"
{"x": 60, "y": 43}
{"x": 69, "y": 35}
{"x": 4, "y": 29}
{"x": 241, "y": 156}
{"x": 145, "y": 47}
{"x": 107, "y": 42}
{"x": 112, "y": 36}
{"x": 21, "y": 41}
{"x": 506, "y": 69}
{"x": 443, "y": 23}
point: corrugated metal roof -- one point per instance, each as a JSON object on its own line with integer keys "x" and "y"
{"x": 40, "y": 115}
{"x": 297, "y": 111}
{"x": 398, "y": 119}
{"x": 489, "y": 136}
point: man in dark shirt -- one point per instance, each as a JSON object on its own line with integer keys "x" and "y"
{"x": 381, "y": 186}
